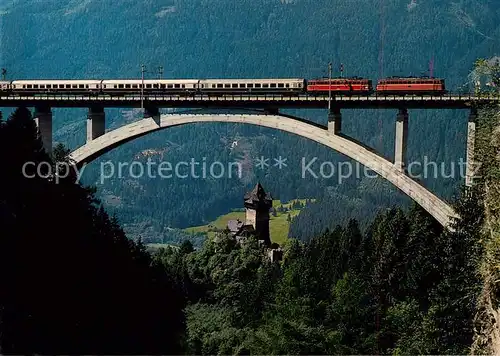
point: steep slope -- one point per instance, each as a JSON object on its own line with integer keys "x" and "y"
{"x": 488, "y": 182}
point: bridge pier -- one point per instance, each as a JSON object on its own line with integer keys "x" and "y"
{"x": 43, "y": 120}
{"x": 95, "y": 123}
{"x": 152, "y": 112}
{"x": 401, "y": 139}
{"x": 334, "y": 121}
{"x": 471, "y": 139}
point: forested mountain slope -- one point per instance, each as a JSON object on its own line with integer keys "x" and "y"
{"x": 487, "y": 321}
{"x": 258, "y": 38}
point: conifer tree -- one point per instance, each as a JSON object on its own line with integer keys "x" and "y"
{"x": 71, "y": 280}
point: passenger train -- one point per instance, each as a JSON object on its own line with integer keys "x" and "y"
{"x": 344, "y": 86}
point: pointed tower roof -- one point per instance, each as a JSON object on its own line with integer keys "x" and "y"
{"x": 258, "y": 195}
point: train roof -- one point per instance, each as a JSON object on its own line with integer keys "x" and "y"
{"x": 231, "y": 80}
{"x": 409, "y": 78}
{"x": 149, "y": 81}
{"x": 93, "y": 81}
{"x": 341, "y": 78}
{"x": 56, "y": 81}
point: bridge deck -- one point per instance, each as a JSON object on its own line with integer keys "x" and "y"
{"x": 303, "y": 101}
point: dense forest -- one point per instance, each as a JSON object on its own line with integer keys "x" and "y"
{"x": 73, "y": 283}
{"x": 402, "y": 287}
{"x": 274, "y": 38}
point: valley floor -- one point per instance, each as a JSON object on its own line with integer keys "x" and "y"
{"x": 279, "y": 224}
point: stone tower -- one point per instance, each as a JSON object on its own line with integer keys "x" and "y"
{"x": 257, "y": 205}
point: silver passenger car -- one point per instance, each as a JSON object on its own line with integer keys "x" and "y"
{"x": 150, "y": 85}
{"x": 252, "y": 85}
{"x": 45, "y": 86}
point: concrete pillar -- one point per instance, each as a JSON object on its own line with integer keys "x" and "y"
{"x": 334, "y": 121}
{"x": 153, "y": 112}
{"x": 96, "y": 120}
{"x": 471, "y": 139}
{"x": 43, "y": 120}
{"x": 401, "y": 139}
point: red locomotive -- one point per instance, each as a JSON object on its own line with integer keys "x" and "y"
{"x": 411, "y": 86}
{"x": 340, "y": 85}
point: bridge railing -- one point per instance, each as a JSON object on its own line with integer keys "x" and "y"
{"x": 253, "y": 97}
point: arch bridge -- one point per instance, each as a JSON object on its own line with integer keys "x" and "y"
{"x": 98, "y": 142}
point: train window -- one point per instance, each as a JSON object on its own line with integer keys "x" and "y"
{"x": 234, "y": 85}
{"x": 49, "y": 86}
{"x": 265, "y": 85}
{"x": 127, "y": 86}
{"x": 281, "y": 85}
{"x": 287, "y": 85}
{"x": 81, "y": 86}
{"x": 148, "y": 86}
{"x": 156, "y": 86}
{"x": 183, "y": 86}
{"x": 213, "y": 85}
{"x": 249, "y": 85}
{"x": 273, "y": 85}
{"x": 86, "y": 86}
{"x": 219, "y": 85}
{"x": 177, "y": 86}
{"x": 120, "y": 86}
{"x": 257, "y": 85}
{"x": 134, "y": 86}
{"x": 35, "y": 86}
{"x": 227, "y": 85}
{"x": 242, "y": 85}
{"x": 42, "y": 86}
{"x": 30, "y": 86}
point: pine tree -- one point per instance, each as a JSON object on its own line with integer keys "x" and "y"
{"x": 71, "y": 280}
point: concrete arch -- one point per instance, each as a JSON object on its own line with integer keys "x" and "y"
{"x": 441, "y": 211}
